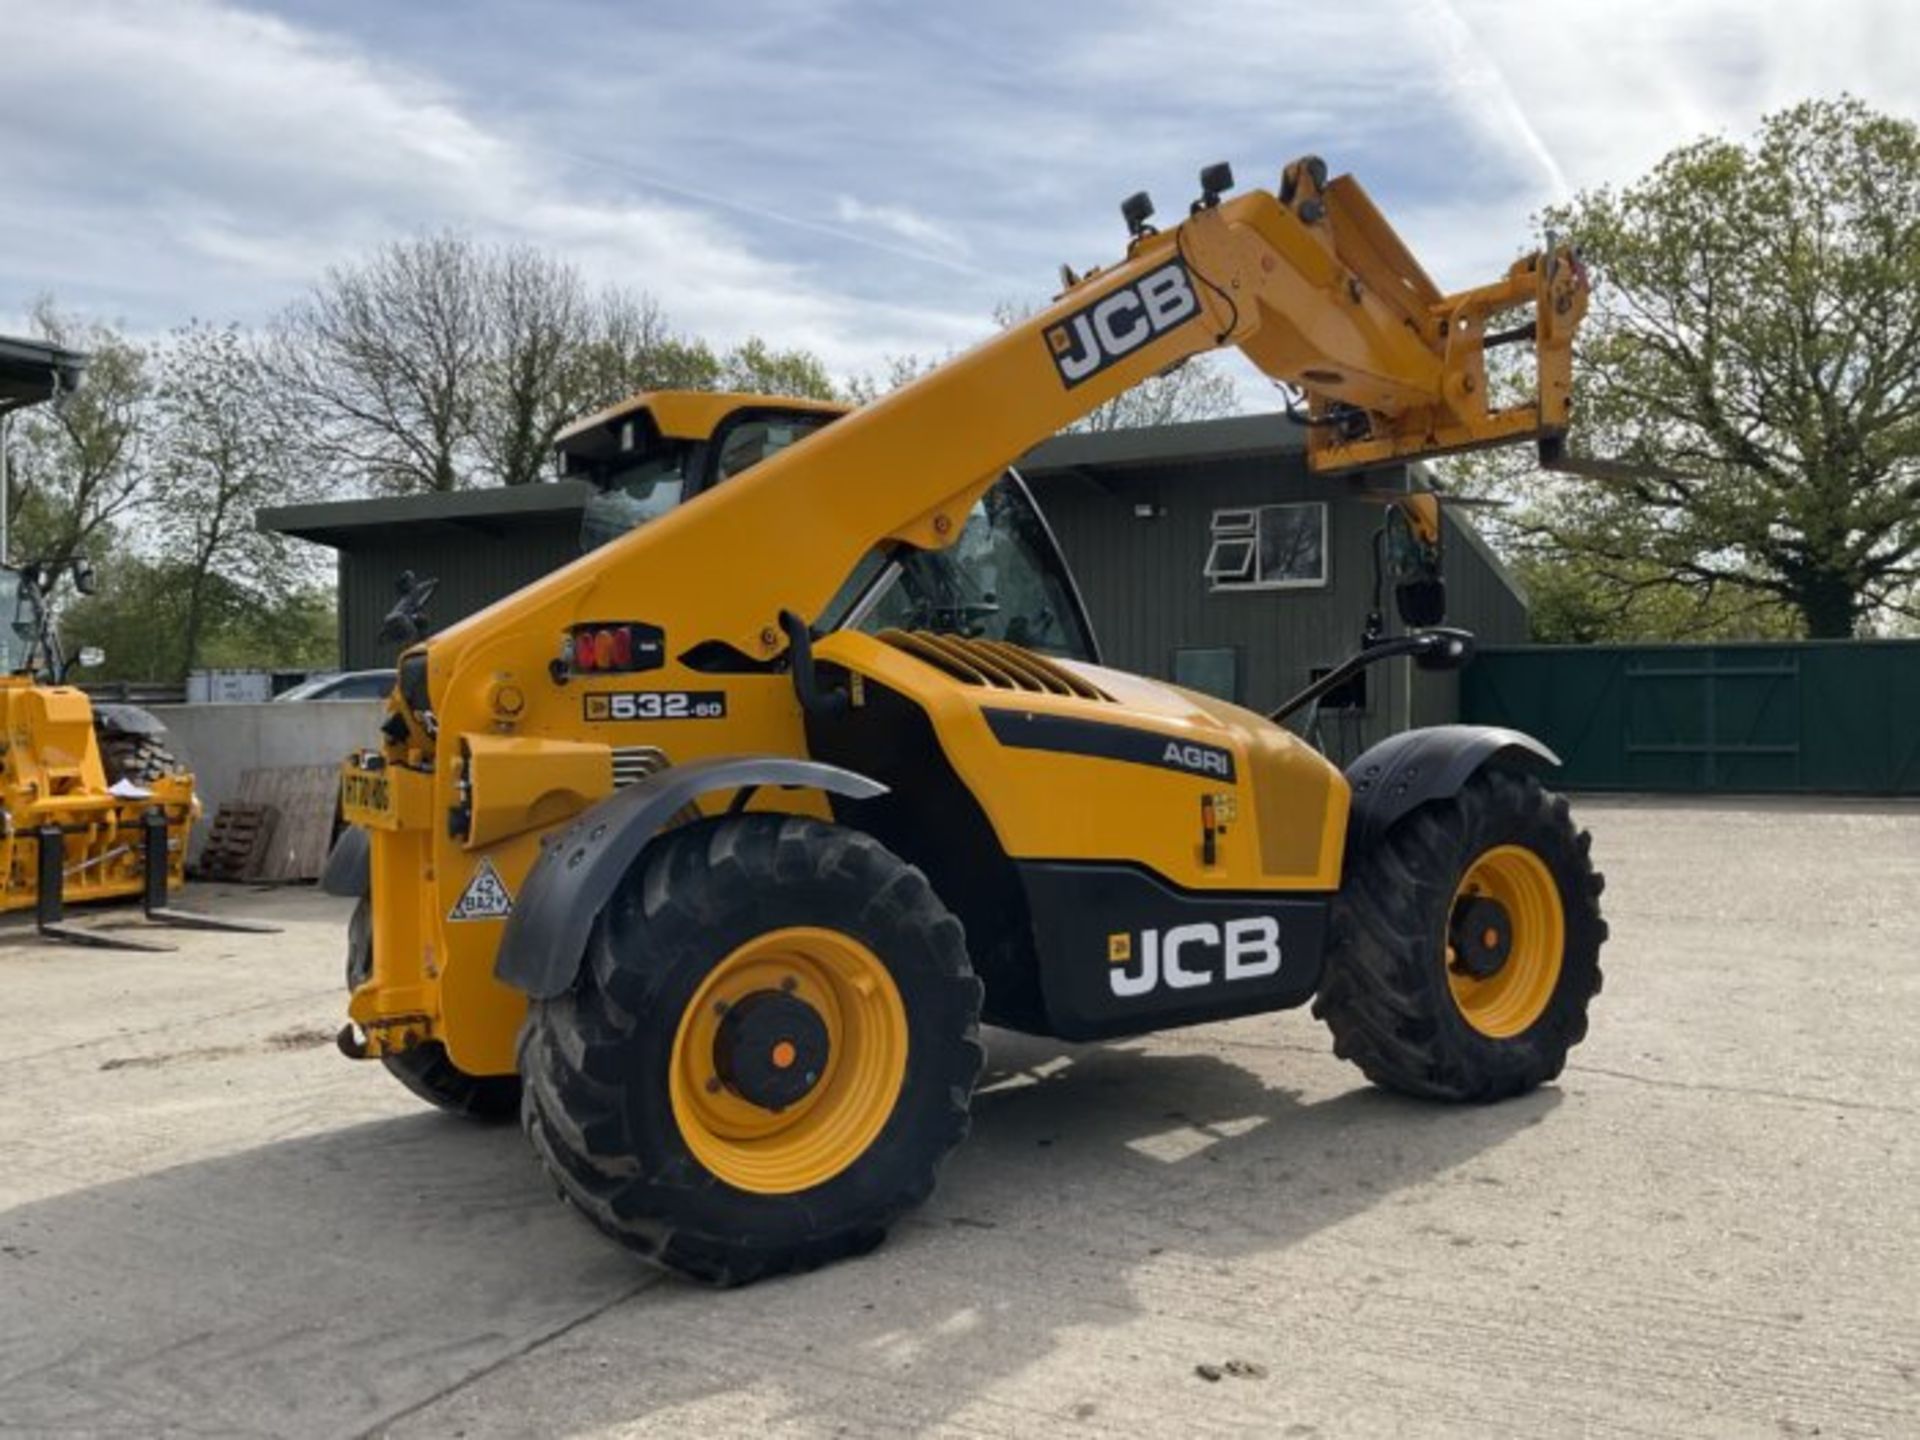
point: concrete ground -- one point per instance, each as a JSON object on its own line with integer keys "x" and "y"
{"x": 210, "y": 1223}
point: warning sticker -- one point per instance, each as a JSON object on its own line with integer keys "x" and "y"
{"x": 485, "y": 898}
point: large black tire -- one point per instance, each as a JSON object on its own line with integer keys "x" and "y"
{"x": 141, "y": 759}
{"x": 1386, "y": 995}
{"x": 596, "y": 1061}
{"x": 426, "y": 1070}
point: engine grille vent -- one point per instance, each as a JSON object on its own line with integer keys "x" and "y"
{"x": 994, "y": 664}
{"x": 636, "y": 762}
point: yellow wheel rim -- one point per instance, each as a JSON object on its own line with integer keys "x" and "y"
{"x": 809, "y": 1141}
{"x": 1511, "y": 998}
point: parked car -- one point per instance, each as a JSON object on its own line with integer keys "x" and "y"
{"x": 351, "y": 685}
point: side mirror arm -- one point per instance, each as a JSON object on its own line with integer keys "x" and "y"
{"x": 1441, "y": 648}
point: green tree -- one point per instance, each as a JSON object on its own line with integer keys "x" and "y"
{"x": 221, "y": 450}
{"x": 437, "y": 363}
{"x": 531, "y": 377}
{"x": 755, "y": 366}
{"x": 1754, "y": 350}
{"x": 140, "y": 611}
{"x": 895, "y": 371}
{"x": 130, "y": 619}
{"x": 1573, "y": 601}
{"x": 78, "y": 466}
{"x": 382, "y": 361}
{"x": 632, "y": 348}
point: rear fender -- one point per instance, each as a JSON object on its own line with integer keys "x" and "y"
{"x": 580, "y": 866}
{"x": 1407, "y": 770}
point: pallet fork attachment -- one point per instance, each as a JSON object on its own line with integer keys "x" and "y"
{"x": 1554, "y": 456}
{"x": 50, "y": 904}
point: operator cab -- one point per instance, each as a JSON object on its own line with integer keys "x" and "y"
{"x": 661, "y": 448}
{"x": 29, "y": 641}
{"x": 1003, "y": 579}
{"x": 23, "y": 619}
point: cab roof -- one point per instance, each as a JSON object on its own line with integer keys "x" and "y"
{"x": 692, "y": 414}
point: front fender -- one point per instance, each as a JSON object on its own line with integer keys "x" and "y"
{"x": 580, "y": 866}
{"x": 348, "y": 871}
{"x": 1409, "y": 769}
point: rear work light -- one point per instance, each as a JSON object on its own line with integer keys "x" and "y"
{"x": 613, "y": 648}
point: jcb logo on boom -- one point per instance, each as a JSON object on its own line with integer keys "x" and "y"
{"x": 1115, "y": 325}
{"x": 1189, "y": 956}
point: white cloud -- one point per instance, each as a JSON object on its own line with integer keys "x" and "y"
{"x": 898, "y": 220}
{"x": 224, "y": 158}
{"x": 1474, "y": 81}
{"x": 865, "y": 181}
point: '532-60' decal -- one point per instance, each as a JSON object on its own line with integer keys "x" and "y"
{"x": 657, "y": 705}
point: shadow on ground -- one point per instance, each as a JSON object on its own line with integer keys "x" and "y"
{"x": 337, "y": 1282}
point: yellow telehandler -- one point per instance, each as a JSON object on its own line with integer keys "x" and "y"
{"x": 708, "y": 853}
{"x": 93, "y": 804}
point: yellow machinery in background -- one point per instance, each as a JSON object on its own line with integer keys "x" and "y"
{"x": 93, "y": 804}
{"x": 707, "y": 853}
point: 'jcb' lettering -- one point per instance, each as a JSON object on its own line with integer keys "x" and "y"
{"x": 1117, "y": 338}
{"x": 1116, "y": 325}
{"x": 1252, "y": 948}
{"x": 1168, "y": 297}
{"x": 1188, "y": 957}
{"x": 1176, "y": 974}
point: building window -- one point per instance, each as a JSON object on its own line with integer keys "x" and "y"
{"x": 1212, "y": 670}
{"x": 1269, "y": 547}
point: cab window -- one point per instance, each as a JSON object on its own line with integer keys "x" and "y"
{"x": 653, "y": 473}
{"x": 1003, "y": 579}
{"x": 747, "y": 442}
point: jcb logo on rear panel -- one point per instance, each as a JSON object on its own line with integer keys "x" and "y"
{"x": 1190, "y": 956}
{"x": 1117, "y": 324}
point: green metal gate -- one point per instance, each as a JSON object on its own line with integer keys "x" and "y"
{"x": 1839, "y": 716}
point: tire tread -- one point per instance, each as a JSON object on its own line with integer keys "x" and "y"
{"x": 1385, "y": 996}
{"x": 576, "y": 1098}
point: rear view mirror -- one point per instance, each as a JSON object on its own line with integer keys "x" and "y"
{"x": 1421, "y": 602}
{"x": 85, "y": 579}
{"x": 1413, "y": 560}
{"x": 1445, "y": 649}
{"x": 91, "y": 657}
{"x": 406, "y": 622}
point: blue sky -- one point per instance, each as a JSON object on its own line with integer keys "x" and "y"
{"x": 863, "y": 179}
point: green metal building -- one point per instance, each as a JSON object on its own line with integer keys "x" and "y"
{"x": 1143, "y": 516}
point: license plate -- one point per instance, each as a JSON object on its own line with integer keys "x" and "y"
{"x": 367, "y": 798}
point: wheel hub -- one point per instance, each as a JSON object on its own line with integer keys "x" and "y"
{"x": 1481, "y": 936}
{"x": 771, "y": 1049}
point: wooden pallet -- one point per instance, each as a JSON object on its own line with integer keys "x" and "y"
{"x": 306, "y": 798}
{"x": 238, "y": 842}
